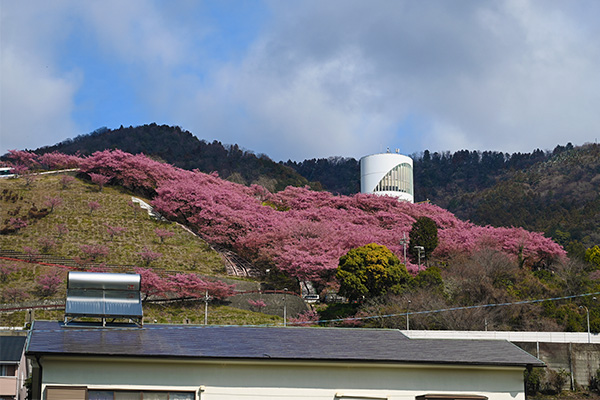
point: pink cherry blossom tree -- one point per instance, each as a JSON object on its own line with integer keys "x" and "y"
{"x": 257, "y": 305}
{"x": 47, "y": 244}
{"x": 19, "y": 157}
{"x": 94, "y": 251}
{"x": 48, "y": 284}
{"x": 93, "y": 206}
{"x": 61, "y": 230}
{"x": 31, "y": 252}
{"x": 6, "y": 271}
{"x": 99, "y": 180}
{"x": 153, "y": 284}
{"x": 113, "y": 231}
{"x": 147, "y": 256}
{"x": 188, "y": 285}
{"x": 14, "y": 294}
{"x": 53, "y": 202}
{"x": 16, "y": 224}
{"x": 163, "y": 234}
{"x": 66, "y": 181}
{"x": 56, "y": 160}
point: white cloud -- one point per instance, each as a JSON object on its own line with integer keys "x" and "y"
{"x": 36, "y": 105}
{"x": 341, "y": 78}
{"x": 35, "y": 100}
{"x": 322, "y": 78}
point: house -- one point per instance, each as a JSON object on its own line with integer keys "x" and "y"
{"x": 85, "y": 361}
{"x": 13, "y": 368}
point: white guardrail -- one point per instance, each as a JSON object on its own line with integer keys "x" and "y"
{"x": 533, "y": 337}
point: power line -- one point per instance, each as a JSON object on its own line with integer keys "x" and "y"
{"x": 451, "y": 309}
{"x": 368, "y": 317}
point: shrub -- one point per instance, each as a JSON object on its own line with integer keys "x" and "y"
{"x": 306, "y": 318}
{"x": 555, "y": 381}
{"x": 595, "y": 382}
{"x": 533, "y": 380}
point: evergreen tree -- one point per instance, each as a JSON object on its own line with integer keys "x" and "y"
{"x": 424, "y": 233}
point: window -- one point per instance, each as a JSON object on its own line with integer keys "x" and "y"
{"x": 398, "y": 179}
{"x": 138, "y": 395}
{"x": 8, "y": 370}
{"x": 65, "y": 393}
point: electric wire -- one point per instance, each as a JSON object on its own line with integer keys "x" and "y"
{"x": 347, "y": 319}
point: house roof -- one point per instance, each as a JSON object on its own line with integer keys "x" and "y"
{"x": 11, "y": 348}
{"x": 252, "y": 343}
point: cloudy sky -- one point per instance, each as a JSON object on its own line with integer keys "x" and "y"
{"x": 304, "y": 79}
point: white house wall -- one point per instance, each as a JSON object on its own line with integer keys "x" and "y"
{"x": 264, "y": 380}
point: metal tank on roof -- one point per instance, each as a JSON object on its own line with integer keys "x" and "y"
{"x": 103, "y": 295}
{"x": 387, "y": 174}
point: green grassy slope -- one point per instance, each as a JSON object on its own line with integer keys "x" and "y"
{"x": 182, "y": 252}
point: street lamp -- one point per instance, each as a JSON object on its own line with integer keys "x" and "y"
{"x": 407, "y": 321}
{"x": 420, "y": 249}
{"x": 285, "y": 307}
{"x": 588, "y": 322}
{"x": 587, "y": 311}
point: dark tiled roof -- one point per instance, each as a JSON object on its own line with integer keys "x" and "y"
{"x": 11, "y": 348}
{"x": 328, "y": 344}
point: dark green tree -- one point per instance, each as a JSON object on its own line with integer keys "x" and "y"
{"x": 369, "y": 271}
{"x": 424, "y": 233}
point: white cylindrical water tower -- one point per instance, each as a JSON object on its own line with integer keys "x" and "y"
{"x": 388, "y": 174}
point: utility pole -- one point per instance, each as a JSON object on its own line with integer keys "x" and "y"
{"x": 404, "y": 242}
{"x": 207, "y": 298}
{"x": 407, "y": 321}
{"x": 285, "y": 307}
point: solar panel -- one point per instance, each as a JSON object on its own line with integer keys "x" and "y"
{"x": 103, "y": 295}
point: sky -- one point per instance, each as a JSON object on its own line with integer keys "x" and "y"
{"x": 308, "y": 78}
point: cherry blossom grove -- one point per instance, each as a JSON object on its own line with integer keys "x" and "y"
{"x": 300, "y": 231}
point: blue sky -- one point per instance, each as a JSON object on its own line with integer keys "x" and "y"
{"x": 305, "y": 79}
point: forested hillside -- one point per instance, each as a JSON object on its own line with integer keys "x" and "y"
{"x": 182, "y": 149}
{"x": 553, "y": 192}
{"x": 337, "y": 175}
{"x": 559, "y": 196}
